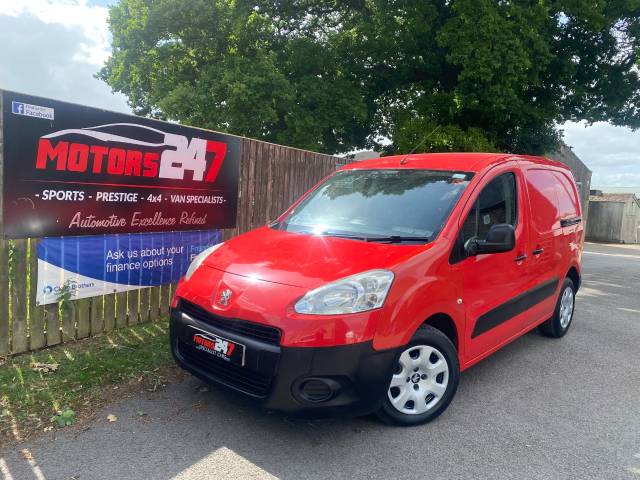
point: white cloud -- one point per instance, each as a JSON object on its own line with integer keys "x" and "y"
{"x": 53, "y": 49}
{"x": 612, "y": 153}
{"x": 91, "y": 20}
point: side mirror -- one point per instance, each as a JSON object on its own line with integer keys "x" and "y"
{"x": 500, "y": 238}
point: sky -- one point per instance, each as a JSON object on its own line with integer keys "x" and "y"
{"x": 53, "y": 48}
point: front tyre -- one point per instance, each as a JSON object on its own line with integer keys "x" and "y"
{"x": 558, "y": 325}
{"x": 425, "y": 379}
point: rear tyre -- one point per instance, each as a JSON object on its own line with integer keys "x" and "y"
{"x": 425, "y": 379}
{"x": 558, "y": 325}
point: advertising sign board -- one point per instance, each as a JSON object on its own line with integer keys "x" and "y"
{"x": 90, "y": 266}
{"x": 75, "y": 170}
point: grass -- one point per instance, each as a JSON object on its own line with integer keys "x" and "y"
{"x": 90, "y": 372}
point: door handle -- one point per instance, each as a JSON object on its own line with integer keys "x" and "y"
{"x": 520, "y": 258}
{"x": 538, "y": 251}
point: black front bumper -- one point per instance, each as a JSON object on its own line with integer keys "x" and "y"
{"x": 342, "y": 380}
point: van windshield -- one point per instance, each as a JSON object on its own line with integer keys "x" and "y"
{"x": 392, "y": 206}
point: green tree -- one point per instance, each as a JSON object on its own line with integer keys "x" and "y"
{"x": 335, "y": 75}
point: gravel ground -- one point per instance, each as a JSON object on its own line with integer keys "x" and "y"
{"x": 539, "y": 408}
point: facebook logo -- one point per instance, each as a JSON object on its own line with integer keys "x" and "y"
{"x": 28, "y": 110}
{"x": 17, "y": 107}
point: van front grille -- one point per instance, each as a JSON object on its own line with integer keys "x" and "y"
{"x": 257, "y": 331}
{"x": 253, "y": 383}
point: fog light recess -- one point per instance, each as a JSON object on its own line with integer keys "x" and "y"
{"x": 317, "y": 390}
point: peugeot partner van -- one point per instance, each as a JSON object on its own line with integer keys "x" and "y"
{"x": 385, "y": 281}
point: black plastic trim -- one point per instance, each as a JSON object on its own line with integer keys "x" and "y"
{"x": 514, "y": 307}
{"x": 251, "y": 383}
{"x": 567, "y": 222}
{"x": 256, "y": 331}
{"x": 357, "y": 374}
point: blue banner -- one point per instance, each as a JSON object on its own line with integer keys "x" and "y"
{"x": 97, "y": 265}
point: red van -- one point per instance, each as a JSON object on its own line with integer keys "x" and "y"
{"x": 385, "y": 281}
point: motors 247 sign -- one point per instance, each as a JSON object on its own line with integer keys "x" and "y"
{"x": 75, "y": 170}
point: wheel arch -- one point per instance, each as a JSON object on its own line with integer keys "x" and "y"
{"x": 574, "y": 275}
{"x": 444, "y": 323}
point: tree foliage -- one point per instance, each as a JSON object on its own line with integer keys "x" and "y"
{"x": 335, "y": 75}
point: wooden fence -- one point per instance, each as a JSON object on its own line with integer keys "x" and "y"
{"x": 271, "y": 178}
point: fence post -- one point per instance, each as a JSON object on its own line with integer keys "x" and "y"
{"x": 36, "y": 312}
{"x": 143, "y": 307}
{"x": 165, "y": 300}
{"x": 19, "y": 337}
{"x": 83, "y": 317}
{"x": 121, "y": 309}
{"x": 109, "y": 312}
{"x": 96, "y": 319}
{"x": 133, "y": 303}
{"x": 154, "y": 303}
{"x": 4, "y": 299}
{"x": 4, "y": 266}
{"x": 54, "y": 336}
{"x": 68, "y": 313}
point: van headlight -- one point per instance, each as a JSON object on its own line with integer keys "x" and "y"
{"x": 198, "y": 259}
{"x": 357, "y": 293}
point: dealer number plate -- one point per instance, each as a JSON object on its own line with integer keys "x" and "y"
{"x": 219, "y": 347}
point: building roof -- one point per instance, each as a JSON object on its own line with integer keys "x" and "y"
{"x": 615, "y": 197}
{"x": 364, "y": 155}
{"x": 467, "y": 162}
{"x": 566, "y": 155}
{"x": 609, "y": 189}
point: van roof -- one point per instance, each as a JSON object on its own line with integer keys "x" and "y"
{"x": 466, "y": 162}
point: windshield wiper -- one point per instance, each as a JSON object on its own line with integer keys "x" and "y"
{"x": 397, "y": 239}
{"x": 344, "y": 235}
{"x": 388, "y": 239}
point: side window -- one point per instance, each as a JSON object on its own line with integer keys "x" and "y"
{"x": 543, "y": 194}
{"x": 496, "y": 204}
{"x": 567, "y": 201}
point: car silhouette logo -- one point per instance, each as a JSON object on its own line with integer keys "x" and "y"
{"x": 118, "y": 133}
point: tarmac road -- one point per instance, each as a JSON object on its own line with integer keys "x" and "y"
{"x": 539, "y": 408}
